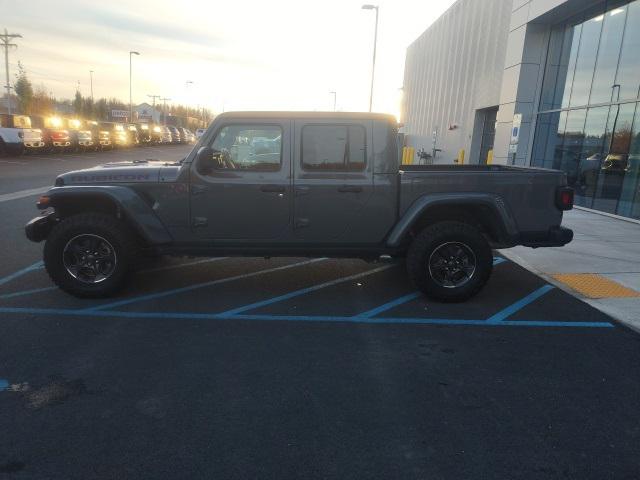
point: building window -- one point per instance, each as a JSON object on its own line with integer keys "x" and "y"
{"x": 588, "y": 123}
{"x": 333, "y": 148}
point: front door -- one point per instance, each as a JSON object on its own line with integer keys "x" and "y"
{"x": 333, "y": 180}
{"x": 244, "y": 195}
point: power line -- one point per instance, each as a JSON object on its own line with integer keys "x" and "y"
{"x": 6, "y": 43}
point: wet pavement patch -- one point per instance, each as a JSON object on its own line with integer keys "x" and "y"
{"x": 53, "y": 393}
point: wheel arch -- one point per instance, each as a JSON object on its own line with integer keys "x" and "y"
{"x": 121, "y": 202}
{"x": 487, "y": 212}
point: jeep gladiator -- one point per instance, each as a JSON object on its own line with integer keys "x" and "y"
{"x": 298, "y": 184}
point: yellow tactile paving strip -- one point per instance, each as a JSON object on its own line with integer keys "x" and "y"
{"x": 595, "y": 286}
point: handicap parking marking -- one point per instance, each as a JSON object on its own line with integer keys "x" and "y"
{"x": 179, "y": 265}
{"x": 498, "y": 260}
{"x": 523, "y": 302}
{"x": 26, "y": 292}
{"x": 188, "y": 288}
{"x": 296, "y": 293}
{"x": 389, "y": 305}
{"x": 19, "y": 273}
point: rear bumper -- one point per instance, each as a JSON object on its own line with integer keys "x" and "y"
{"x": 39, "y": 227}
{"x": 554, "y": 237}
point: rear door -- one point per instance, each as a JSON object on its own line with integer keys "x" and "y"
{"x": 333, "y": 180}
{"x": 247, "y": 196}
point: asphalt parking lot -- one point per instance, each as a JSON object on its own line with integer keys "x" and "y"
{"x": 301, "y": 368}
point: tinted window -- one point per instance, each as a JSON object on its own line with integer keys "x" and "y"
{"x": 335, "y": 148}
{"x": 249, "y": 147}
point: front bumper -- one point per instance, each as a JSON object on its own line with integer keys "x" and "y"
{"x": 38, "y": 228}
{"x": 63, "y": 143}
{"x": 554, "y": 237}
{"x": 33, "y": 144}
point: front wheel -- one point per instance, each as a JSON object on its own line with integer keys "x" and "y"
{"x": 89, "y": 255}
{"x": 450, "y": 261}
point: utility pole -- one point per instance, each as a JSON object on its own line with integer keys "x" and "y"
{"x": 153, "y": 97}
{"x": 164, "y": 109}
{"x": 6, "y": 39}
{"x": 91, "y": 83}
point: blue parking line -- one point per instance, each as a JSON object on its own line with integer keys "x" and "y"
{"x": 21, "y": 272}
{"x": 173, "y": 291}
{"x": 498, "y": 260}
{"x": 4, "y": 384}
{"x": 523, "y": 302}
{"x": 26, "y": 292}
{"x": 389, "y": 305}
{"x": 301, "y": 318}
{"x": 303, "y": 291}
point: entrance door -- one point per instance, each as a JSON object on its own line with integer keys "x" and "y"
{"x": 333, "y": 180}
{"x": 246, "y": 194}
{"x": 488, "y": 133}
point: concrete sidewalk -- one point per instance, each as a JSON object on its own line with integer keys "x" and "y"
{"x": 601, "y": 266}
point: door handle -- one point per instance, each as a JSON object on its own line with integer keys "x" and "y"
{"x": 198, "y": 189}
{"x": 349, "y": 189}
{"x": 272, "y": 188}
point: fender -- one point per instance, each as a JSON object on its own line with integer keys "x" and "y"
{"x": 508, "y": 230}
{"x": 138, "y": 213}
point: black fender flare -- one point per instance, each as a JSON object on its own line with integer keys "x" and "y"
{"x": 507, "y": 226}
{"x": 137, "y": 212}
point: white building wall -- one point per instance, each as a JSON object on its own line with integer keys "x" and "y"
{"x": 453, "y": 69}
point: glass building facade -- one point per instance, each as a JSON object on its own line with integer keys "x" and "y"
{"x": 588, "y": 120}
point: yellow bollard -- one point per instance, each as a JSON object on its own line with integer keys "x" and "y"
{"x": 490, "y": 157}
{"x": 404, "y": 155}
{"x": 461, "y": 157}
{"x": 410, "y": 157}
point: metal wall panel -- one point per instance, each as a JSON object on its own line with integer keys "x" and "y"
{"x": 454, "y": 68}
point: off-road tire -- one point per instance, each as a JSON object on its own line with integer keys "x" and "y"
{"x": 433, "y": 237}
{"x": 106, "y": 226}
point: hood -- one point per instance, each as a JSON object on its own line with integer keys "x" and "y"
{"x": 137, "y": 171}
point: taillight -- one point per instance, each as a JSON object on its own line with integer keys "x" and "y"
{"x": 564, "y": 198}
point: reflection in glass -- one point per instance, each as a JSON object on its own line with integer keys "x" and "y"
{"x": 592, "y": 153}
{"x": 608, "y": 53}
{"x": 570, "y": 48}
{"x": 572, "y": 146}
{"x": 614, "y": 165}
{"x": 586, "y": 60}
{"x": 556, "y": 68}
{"x": 629, "y": 204}
{"x": 629, "y": 70}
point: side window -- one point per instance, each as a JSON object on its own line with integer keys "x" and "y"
{"x": 333, "y": 148}
{"x": 249, "y": 148}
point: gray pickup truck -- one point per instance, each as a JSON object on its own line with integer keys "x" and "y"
{"x": 298, "y": 184}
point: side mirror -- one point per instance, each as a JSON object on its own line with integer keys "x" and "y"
{"x": 207, "y": 160}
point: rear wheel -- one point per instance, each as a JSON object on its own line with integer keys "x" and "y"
{"x": 89, "y": 255}
{"x": 450, "y": 261}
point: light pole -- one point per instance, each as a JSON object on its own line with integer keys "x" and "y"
{"x": 91, "y": 83}
{"x": 130, "y": 91}
{"x": 164, "y": 109}
{"x": 334, "y": 100}
{"x": 6, "y": 39}
{"x": 375, "y": 41}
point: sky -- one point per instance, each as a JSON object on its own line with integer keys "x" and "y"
{"x": 239, "y": 55}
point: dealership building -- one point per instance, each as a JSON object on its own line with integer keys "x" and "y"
{"x": 545, "y": 83}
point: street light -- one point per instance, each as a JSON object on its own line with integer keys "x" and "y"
{"x": 130, "y": 94}
{"x": 334, "y": 100}
{"x": 375, "y": 41}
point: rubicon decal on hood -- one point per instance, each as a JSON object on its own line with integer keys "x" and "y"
{"x": 117, "y": 177}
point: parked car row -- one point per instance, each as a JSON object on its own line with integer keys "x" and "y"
{"x": 36, "y": 133}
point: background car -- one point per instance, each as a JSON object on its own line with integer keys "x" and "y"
{"x": 54, "y": 135}
{"x": 144, "y": 132}
{"x": 190, "y": 137}
{"x": 80, "y": 135}
{"x": 155, "y": 133}
{"x": 101, "y": 135}
{"x": 167, "y": 136}
{"x": 200, "y": 132}
{"x": 131, "y": 131}
{"x": 175, "y": 134}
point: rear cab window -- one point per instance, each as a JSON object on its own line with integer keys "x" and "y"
{"x": 333, "y": 148}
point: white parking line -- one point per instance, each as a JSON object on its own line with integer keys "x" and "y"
{"x": 23, "y": 193}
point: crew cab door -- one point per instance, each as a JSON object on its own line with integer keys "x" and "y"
{"x": 333, "y": 180}
{"x": 244, "y": 193}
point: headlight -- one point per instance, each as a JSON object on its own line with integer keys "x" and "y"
{"x": 20, "y": 134}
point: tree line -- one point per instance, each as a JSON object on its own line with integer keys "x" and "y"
{"x": 39, "y": 101}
